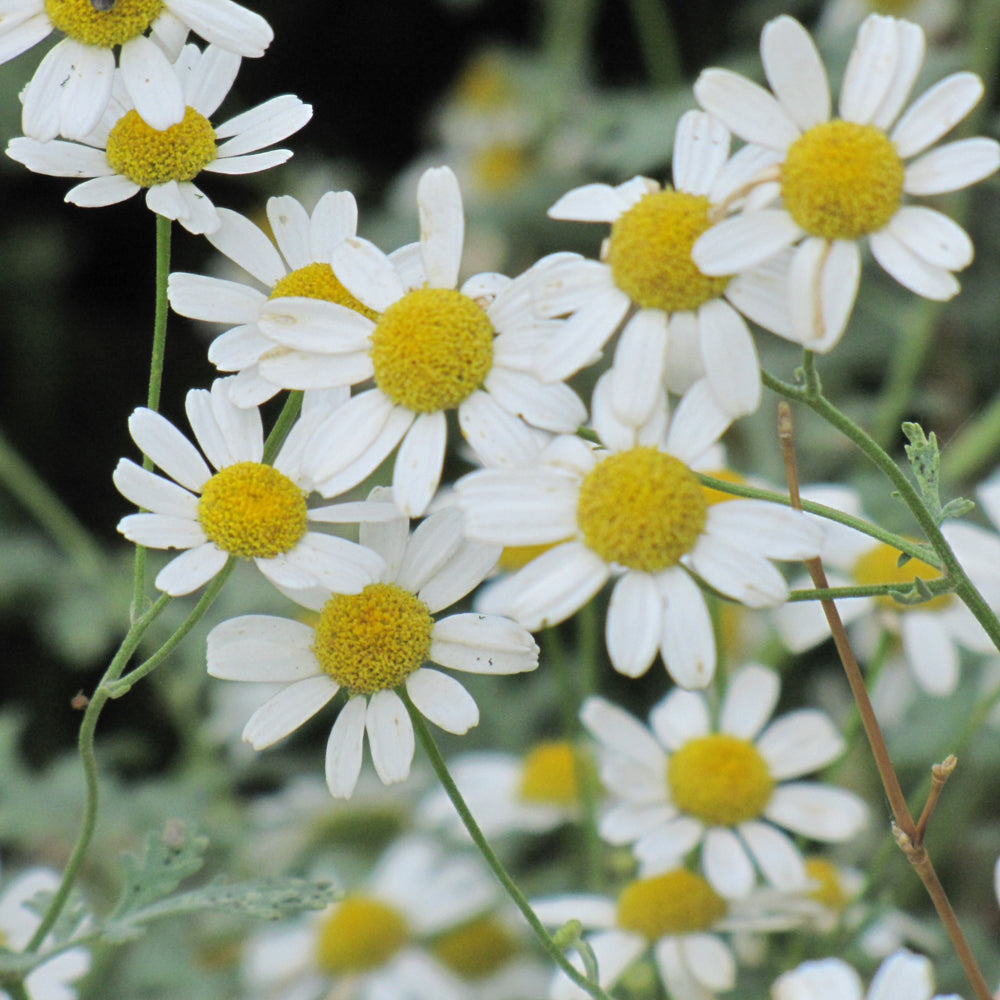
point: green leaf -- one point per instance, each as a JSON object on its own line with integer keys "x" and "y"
{"x": 925, "y": 460}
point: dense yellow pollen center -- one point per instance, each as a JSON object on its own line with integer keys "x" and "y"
{"x": 840, "y": 180}
{"x": 81, "y": 21}
{"x": 676, "y": 902}
{"x": 147, "y": 157}
{"x": 252, "y": 510}
{"x": 431, "y": 349}
{"x": 317, "y": 281}
{"x": 549, "y": 776}
{"x": 374, "y": 640}
{"x": 712, "y": 497}
{"x": 476, "y": 949}
{"x": 641, "y": 509}
{"x": 880, "y": 565}
{"x": 719, "y": 779}
{"x": 828, "y": 891}
{"x": 650, "y": 252}
{"x": 361, "y": 934}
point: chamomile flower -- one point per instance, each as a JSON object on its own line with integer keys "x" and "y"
{"x": 848, "y": 177}
{"x": 52, "y": 980}
{"x": 902, "y": 976}
{"x": 382, "y": 939}
{"x": 245, "y": 508}
{"x": 507, "y": 793}
{"x": 373, "y": 639}
{"x": 72, "y": 86}
{"x": 431, "y": 349}
{"x": 931, "y": 632}
{"x": 689, "y": 782}
{"x": 646, "y": 265}
{"x": 634, "y": 511}
{"x": 300, "y": 267}
{"x": 676, "y": 916}
{"x": 124, "y": 154}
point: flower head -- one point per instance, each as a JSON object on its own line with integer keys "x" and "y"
{"x": 125, "y": 154}
{"x": 244, "y": 508}
{"x": 72, "y": 87}
{"x": 687, "y": 782}
{"x": 634, "y": 510}
{"x": 371, "y": 640}
{"x": 850, "y": 177}
{"x": 431, "y": 348}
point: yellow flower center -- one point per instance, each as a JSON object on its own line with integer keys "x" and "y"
{"x": 317, "y": 281}
{"x": 515, "y": 557}
{"x": 719, "y": 779}
{"x": 641, "y": 509}
{"x": 650, "y": 252}
{"x": 431, "y": 349}
{"x": 106, "y": 28}
{"x": 476, "y": 949}
{"x": 828, "y": 892}
{"x": 374, "y": 640}
{"x": 676, "y": 902}
{"x": 713, "y": 497}
{"x": 841, "y": 180}
{"x": 252, "y": 510}
{"x": 880, "y": 564}
{"x": 499, "y": 167}
{"x": 147, "y": 157}
{"x": 548, "y": 775}
{"x": 361, "y": 934}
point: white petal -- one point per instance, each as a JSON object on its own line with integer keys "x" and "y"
{"x": 582, "y": 336}
{"x": 69, "y": 91}
{"x": 829, "y": 977}
{"x": 190, "y": 570}
{"x": 442, "y": 700}
{"x": 208, "y": 78}
{"x": 346, "y": 435}
{"x": 590, "y": 203}
{"x": 168, "y": 448}
{"x": 344, "y": 748}
{"x": 911, "y": 47}
{"x": 766, "y": 529}
{"x": 930, "y": 651}
{"x": 334, "y": 563}
{"x": 308, "y": 324}
{"x": 263, "y": 125}
{"x": 698, "y": 422}
{"x": 417, "y": 471}
{"x": 151, "y": 83}
{"x": 799, "y": 742}
{"x": 634, "y": 623}
{"x": 24, "y": 32}
{"x": 261, "y": 648}
{"x": 726, "y": 864}
{"x": 482, "y": 644}
{"x": 333, "y": 220}
{"x": 680, "y": 717}
{"x": 237, "y": 349}
{"x": 60, "y": 159}
{"x": 226, "y": 433}
{"x": 390, "y": 736}
{"x": 951, "y": 167}
{"x": 249, "y": 163}
{"x": 229, "y": 25}
{"x": 367, "y": 273}
{"x": 709, "y": 961}
{"x": 730, "y": 358}
{"x": 554, "y": 407}
{"x": 101, "y": 191}
{"x": 870, "y": 69}
{"x": 701, "y": 146}
{"x": 937, "y": 111}
{"x": 442, "y": 226}
{"x": 621, "y": 733}
{"x": 795, "y": 71}
{"x": 776, "y": 856}
{"x": 638, "y": 369}
{"x": 287, "y": 710}
{"x": 746, "y": 108}
{"x": 464, "y": 572}
{"x": 743, "y": 575}
{"x": 817, "y": 811}
{"x": 246, "y": 245}
{"x": 688, "y": 641}
{"x": 498, "y": 439}
{"x": 903, "y": 975}
{"x": 162, "y": 531}
{"x": 213, "y": 300}
{"x": 751, "y": 695}
{"x": 153, "y": 492}
{"x": 932, "y": 236}
{"x": 743, "y": 241}
{"x": 822, "y": 285}
{"x": 912, "y": 272}
{"x": 761, "y": 294}
{"x": 432, "y": 546}
{"x": 186, "y": 204}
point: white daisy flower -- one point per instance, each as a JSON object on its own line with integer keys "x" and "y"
{"x": 300, "y": 267}
{"x": 509, "y": 793}
{"x": 72, "y": 86}
{"x": 646, "y": 265}
{"x": 634, "y": 511}
{"x": 123, "y": 154}
{"x": 431, "y": 349}
{"x": 933, "y": 632}
{"x": 902, "y": 976}
{"x": 678, "y": 917}
{"x": 384, "y": 938}
{"x": 847, "y": 177}
{"x": 244, "y": 508}
{"x": 52, "y": 980}
{"x": 724, "y": 786}
{"x": 370, "y": 641}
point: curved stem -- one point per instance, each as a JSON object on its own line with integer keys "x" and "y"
{"x": 441, "y": 770}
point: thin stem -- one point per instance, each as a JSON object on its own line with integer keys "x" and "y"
{"x": 940, "y": 773}
{"x": 935, "y": 587}
{"x": 88, "y": 759}
{"x": 24, "y": 484}
{"x": 441, "y": 770}
{"x": 658, "y": 41}
{"x": 289, "y": 414}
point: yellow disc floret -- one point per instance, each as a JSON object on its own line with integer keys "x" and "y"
{"x": 252, "y": 510}
{"x": 641, "y": 508}
{"x": 501, "y": 166}
{"x": 840, "y": 180}
{"x": 650, "y": 252}
{"x": 548, "y": 775}
{"x": 374, "y": 640}
{"x": 828, "y": 889}
{"x": 476, "y": 949}
{"x": 676, "y": 902}
{"x": 147, "y": 157}
{"x": 317, "y": 281}
{"x": 880, "y": 564}
{"x": 81, "y": 20}
{"x": 719, "y": 779}
{"x": 431, "y": 349}
{"x": 361, "y": 934}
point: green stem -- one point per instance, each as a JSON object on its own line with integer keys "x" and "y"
{"x": 88, "y": 759}
{"x": 935, "y": 587}
{"x": 289, "y": 414}
{"x": 658, "y": 41}
{"x": 441, "y": 770}
{"x": 34, "y": 494}
{"x": 566, "y": 33}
